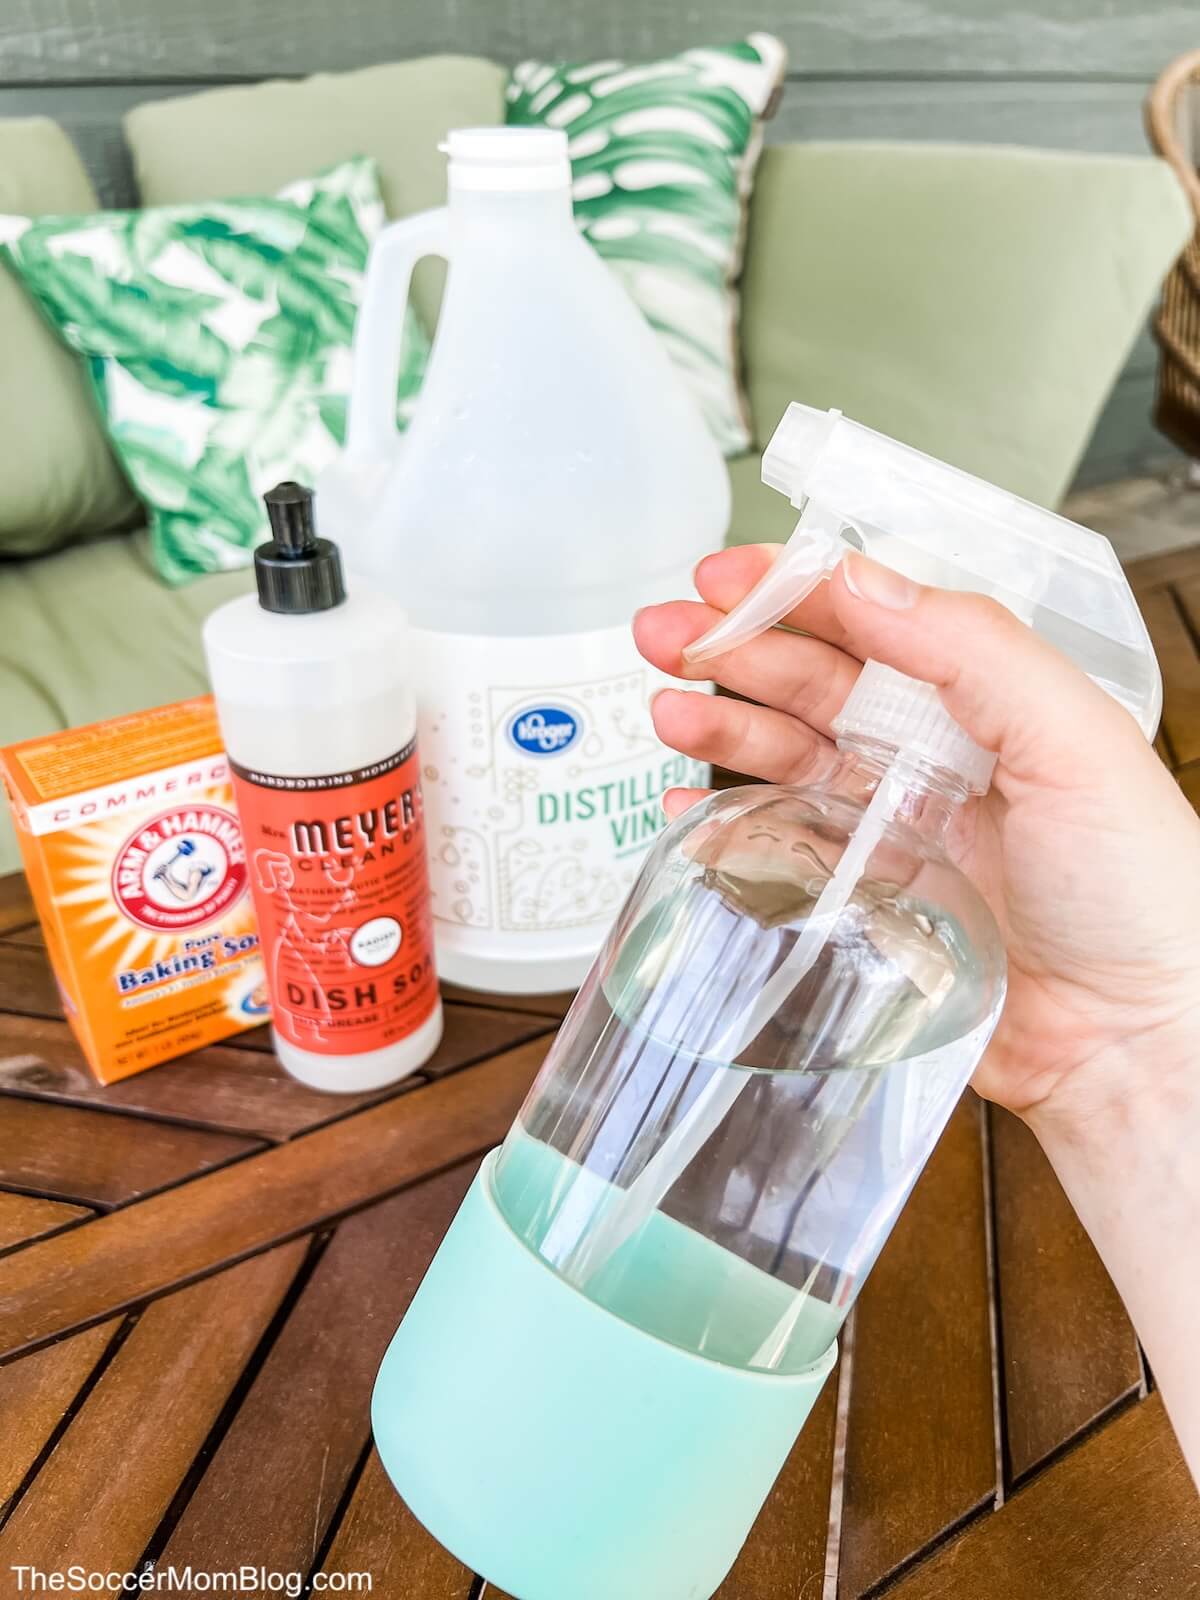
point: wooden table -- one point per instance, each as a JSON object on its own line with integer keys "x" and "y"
{"x": 202, "y": 1265}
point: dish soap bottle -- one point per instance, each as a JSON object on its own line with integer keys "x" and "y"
{"x": 557, "y": 475}
{"x": 318, "y": 716}
{"x": 631, "y": 1316}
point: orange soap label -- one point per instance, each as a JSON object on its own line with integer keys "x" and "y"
{"x": 341, "y": 888}
{"x": 135, "y": 859}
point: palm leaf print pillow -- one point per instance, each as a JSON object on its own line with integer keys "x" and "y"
{"x": 663, "y": 158}
{"x": 218, "y": 340}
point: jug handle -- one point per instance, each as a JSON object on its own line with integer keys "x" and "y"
{"x": 371, "y": 415}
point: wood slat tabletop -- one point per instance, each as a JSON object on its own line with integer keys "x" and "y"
{"x": 200, "y": 1268}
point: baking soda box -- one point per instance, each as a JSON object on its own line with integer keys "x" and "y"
{"x": 134, "y": 857}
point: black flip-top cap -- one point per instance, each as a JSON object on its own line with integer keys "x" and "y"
{"x": 296, "y": 571}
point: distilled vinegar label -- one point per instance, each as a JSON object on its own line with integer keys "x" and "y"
{"x": 543, "y": 776}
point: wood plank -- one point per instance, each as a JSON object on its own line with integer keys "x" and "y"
{"x": 1180, "y": 665}
{"x": 240, "y": 1091}
{"x": 920, "y": 1441}
{"x": 1117, "y": 1517}
{"x": 35, "y": 1394}
{"x": 380, "y": 1535}
{"x": 92, "y": 1156}
{"x": 308, "y": 1411}
{"x": 16, "y": 907}
{"x": 785, "y": 1553}
{"x": 1154, "y": 572}
{"x": 179, "y": 1235}
{"x": 1189, "y": 782}
{"x": 554, "y": 1006}
{"x": 1055, "y": 114}
{"x": 1187, "y": 592}
{"x": 102, "y": 1491}
{"x": 1070, "y": 1353}
{"x": 56, "y": 41}
{"x": 27, "y": 984}
{"x": 24, "y": 1217}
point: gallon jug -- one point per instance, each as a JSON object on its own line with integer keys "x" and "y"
{"x": 629, "y": 1320}
{"x": 557, "y": 476}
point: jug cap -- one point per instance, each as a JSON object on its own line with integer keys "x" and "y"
{"x": 858, "y": 489}
{"x": 507, "y": 158}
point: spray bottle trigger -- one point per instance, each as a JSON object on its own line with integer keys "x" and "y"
{"x": 813, "y": 552}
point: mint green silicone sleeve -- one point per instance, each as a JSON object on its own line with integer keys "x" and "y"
{"x": 557, "y": 1449}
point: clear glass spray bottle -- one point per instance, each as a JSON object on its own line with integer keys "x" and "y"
{"x": 629, "y": 1321}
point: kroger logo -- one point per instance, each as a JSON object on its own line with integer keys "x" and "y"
{"x": 544, "y": 730}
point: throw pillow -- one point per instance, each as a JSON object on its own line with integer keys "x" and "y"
{"x": 663, "y": 160}
{"x": 218, "y": 339}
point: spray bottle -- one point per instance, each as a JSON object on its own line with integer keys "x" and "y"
{"x": 315, "y": 700}
{"x": 635, "y": 1309}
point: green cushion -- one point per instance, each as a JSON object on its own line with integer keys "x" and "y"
{"x": 254, "y": 139}
{"x": 760, "y": 515}
{"x": 60, "y": 479}
{"x": 218, "y": 337}
{"x": 977, "y": 303}
{"x": 663, "y": 158}
{"x": 91, "y": 632}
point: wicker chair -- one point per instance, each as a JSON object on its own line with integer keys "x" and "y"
{"x": 1173, "y": 123}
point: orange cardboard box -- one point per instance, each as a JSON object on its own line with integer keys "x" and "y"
{"x": 134, "y": 856}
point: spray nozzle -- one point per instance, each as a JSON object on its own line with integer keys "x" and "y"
{"x": 812, "y": 553}
{"x": 857, "y": 489}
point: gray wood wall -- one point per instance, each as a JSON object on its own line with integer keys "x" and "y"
{"x": 1070, "y": 75}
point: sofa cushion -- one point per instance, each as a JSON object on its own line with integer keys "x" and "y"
{"x": 760, "y": 515}
{"x": 253, "y": 139}
{"x": 92, "y": 631}
{"x": 975, "y": 302}
{"x": 60, "y": 478}
{"x": 218, "y": 336}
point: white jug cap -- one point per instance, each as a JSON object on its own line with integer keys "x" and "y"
{"x": 507, "y": 158}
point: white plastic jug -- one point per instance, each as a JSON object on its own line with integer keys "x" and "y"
{"x": 556, "y": 477}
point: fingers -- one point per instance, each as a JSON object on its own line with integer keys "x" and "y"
{"x": 805, "y": 678}
{"x": 1012, "y": 692}
{"x": 727, "y": 576}
{"x": 676, "y": 801}
{"x": 745, "y": 738}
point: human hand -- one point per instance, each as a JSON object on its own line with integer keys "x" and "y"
{"x": 1084, "y": 848}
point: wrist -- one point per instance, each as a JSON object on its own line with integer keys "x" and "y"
{"x": 1137, "y": 1099}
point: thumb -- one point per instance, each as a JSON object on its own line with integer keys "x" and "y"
{"x": 1014, "y": 693}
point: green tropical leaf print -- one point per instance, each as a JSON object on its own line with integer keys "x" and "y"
{"x": 217, "y": 339}
{"x": 662, "y": 161}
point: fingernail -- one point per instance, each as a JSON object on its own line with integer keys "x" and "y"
{"x": 879, "y": 585}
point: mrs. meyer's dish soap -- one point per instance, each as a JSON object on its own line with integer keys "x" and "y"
{"x": 556, "y": 477}
{"x": 634, "y": 1310}
{"x": 314, "y": 696}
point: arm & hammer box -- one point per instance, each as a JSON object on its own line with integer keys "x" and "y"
{"x": 134, "y": 857}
